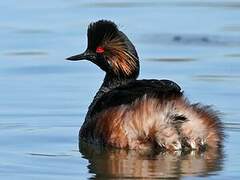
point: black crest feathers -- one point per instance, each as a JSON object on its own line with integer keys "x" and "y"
{"x": 99, "y": 31}
{"x": 118, "y": 49}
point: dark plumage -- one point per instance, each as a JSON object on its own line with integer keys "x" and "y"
{"x": 99, "y": 31}
{"x": 130, "y": 92}
{"x": 140, "y": 114}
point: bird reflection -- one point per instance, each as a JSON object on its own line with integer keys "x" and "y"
{"x": 118, "y": 163}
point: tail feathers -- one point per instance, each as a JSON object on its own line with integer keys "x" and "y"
{"x": 201, "y": 128}
{"x": 173, "y": 124}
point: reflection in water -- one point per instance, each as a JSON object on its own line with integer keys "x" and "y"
{"x": 106, "y": 162}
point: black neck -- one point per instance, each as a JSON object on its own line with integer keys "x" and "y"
{"x": 110, "y": 82}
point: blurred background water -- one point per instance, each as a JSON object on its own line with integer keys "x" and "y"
{"x": 44, "y": 98}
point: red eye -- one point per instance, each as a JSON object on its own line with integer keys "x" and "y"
{"x": 99, "y": 50}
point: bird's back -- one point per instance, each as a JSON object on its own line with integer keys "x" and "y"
{"x": 134, "y": 90}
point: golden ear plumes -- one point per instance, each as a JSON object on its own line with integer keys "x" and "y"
{"x": 120, "y": 57}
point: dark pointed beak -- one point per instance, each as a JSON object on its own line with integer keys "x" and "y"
{"x": 86, "y": 55}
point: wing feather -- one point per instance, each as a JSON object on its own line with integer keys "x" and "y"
{"x": 127, "y": 94}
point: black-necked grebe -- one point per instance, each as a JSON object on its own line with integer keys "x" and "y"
{"x": 140, "y": 114}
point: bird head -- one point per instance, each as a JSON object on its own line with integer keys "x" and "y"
{"x": 110, "y": 49}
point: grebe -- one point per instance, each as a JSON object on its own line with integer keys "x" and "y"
{"x": 140, "y": 114}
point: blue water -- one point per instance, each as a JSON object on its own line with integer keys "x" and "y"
{"x": 44, "y": 98}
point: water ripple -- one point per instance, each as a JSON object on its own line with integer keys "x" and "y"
{"x": 190, "y": 39}
{"x": 171, "y": 59}
{"x": 233, "y": 28}
{"x": 121, "y": 4}
{"x": 183, "y": 4}
{"x": 48, "y": 155}
{"x": 216, "y": 4}
{"x": 216, "y": 77}
{"x": 235, "y": 55}
{"x": 4, "y": 126}
{"x": 33, "y": 31}
{"x": 39, "y": 115}
{"x": 27, "y": 53}
{"x": 41, "y": 69}
{"x": 235, "y": 126}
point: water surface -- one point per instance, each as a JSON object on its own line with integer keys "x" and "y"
{"x": 44, "y": 99}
